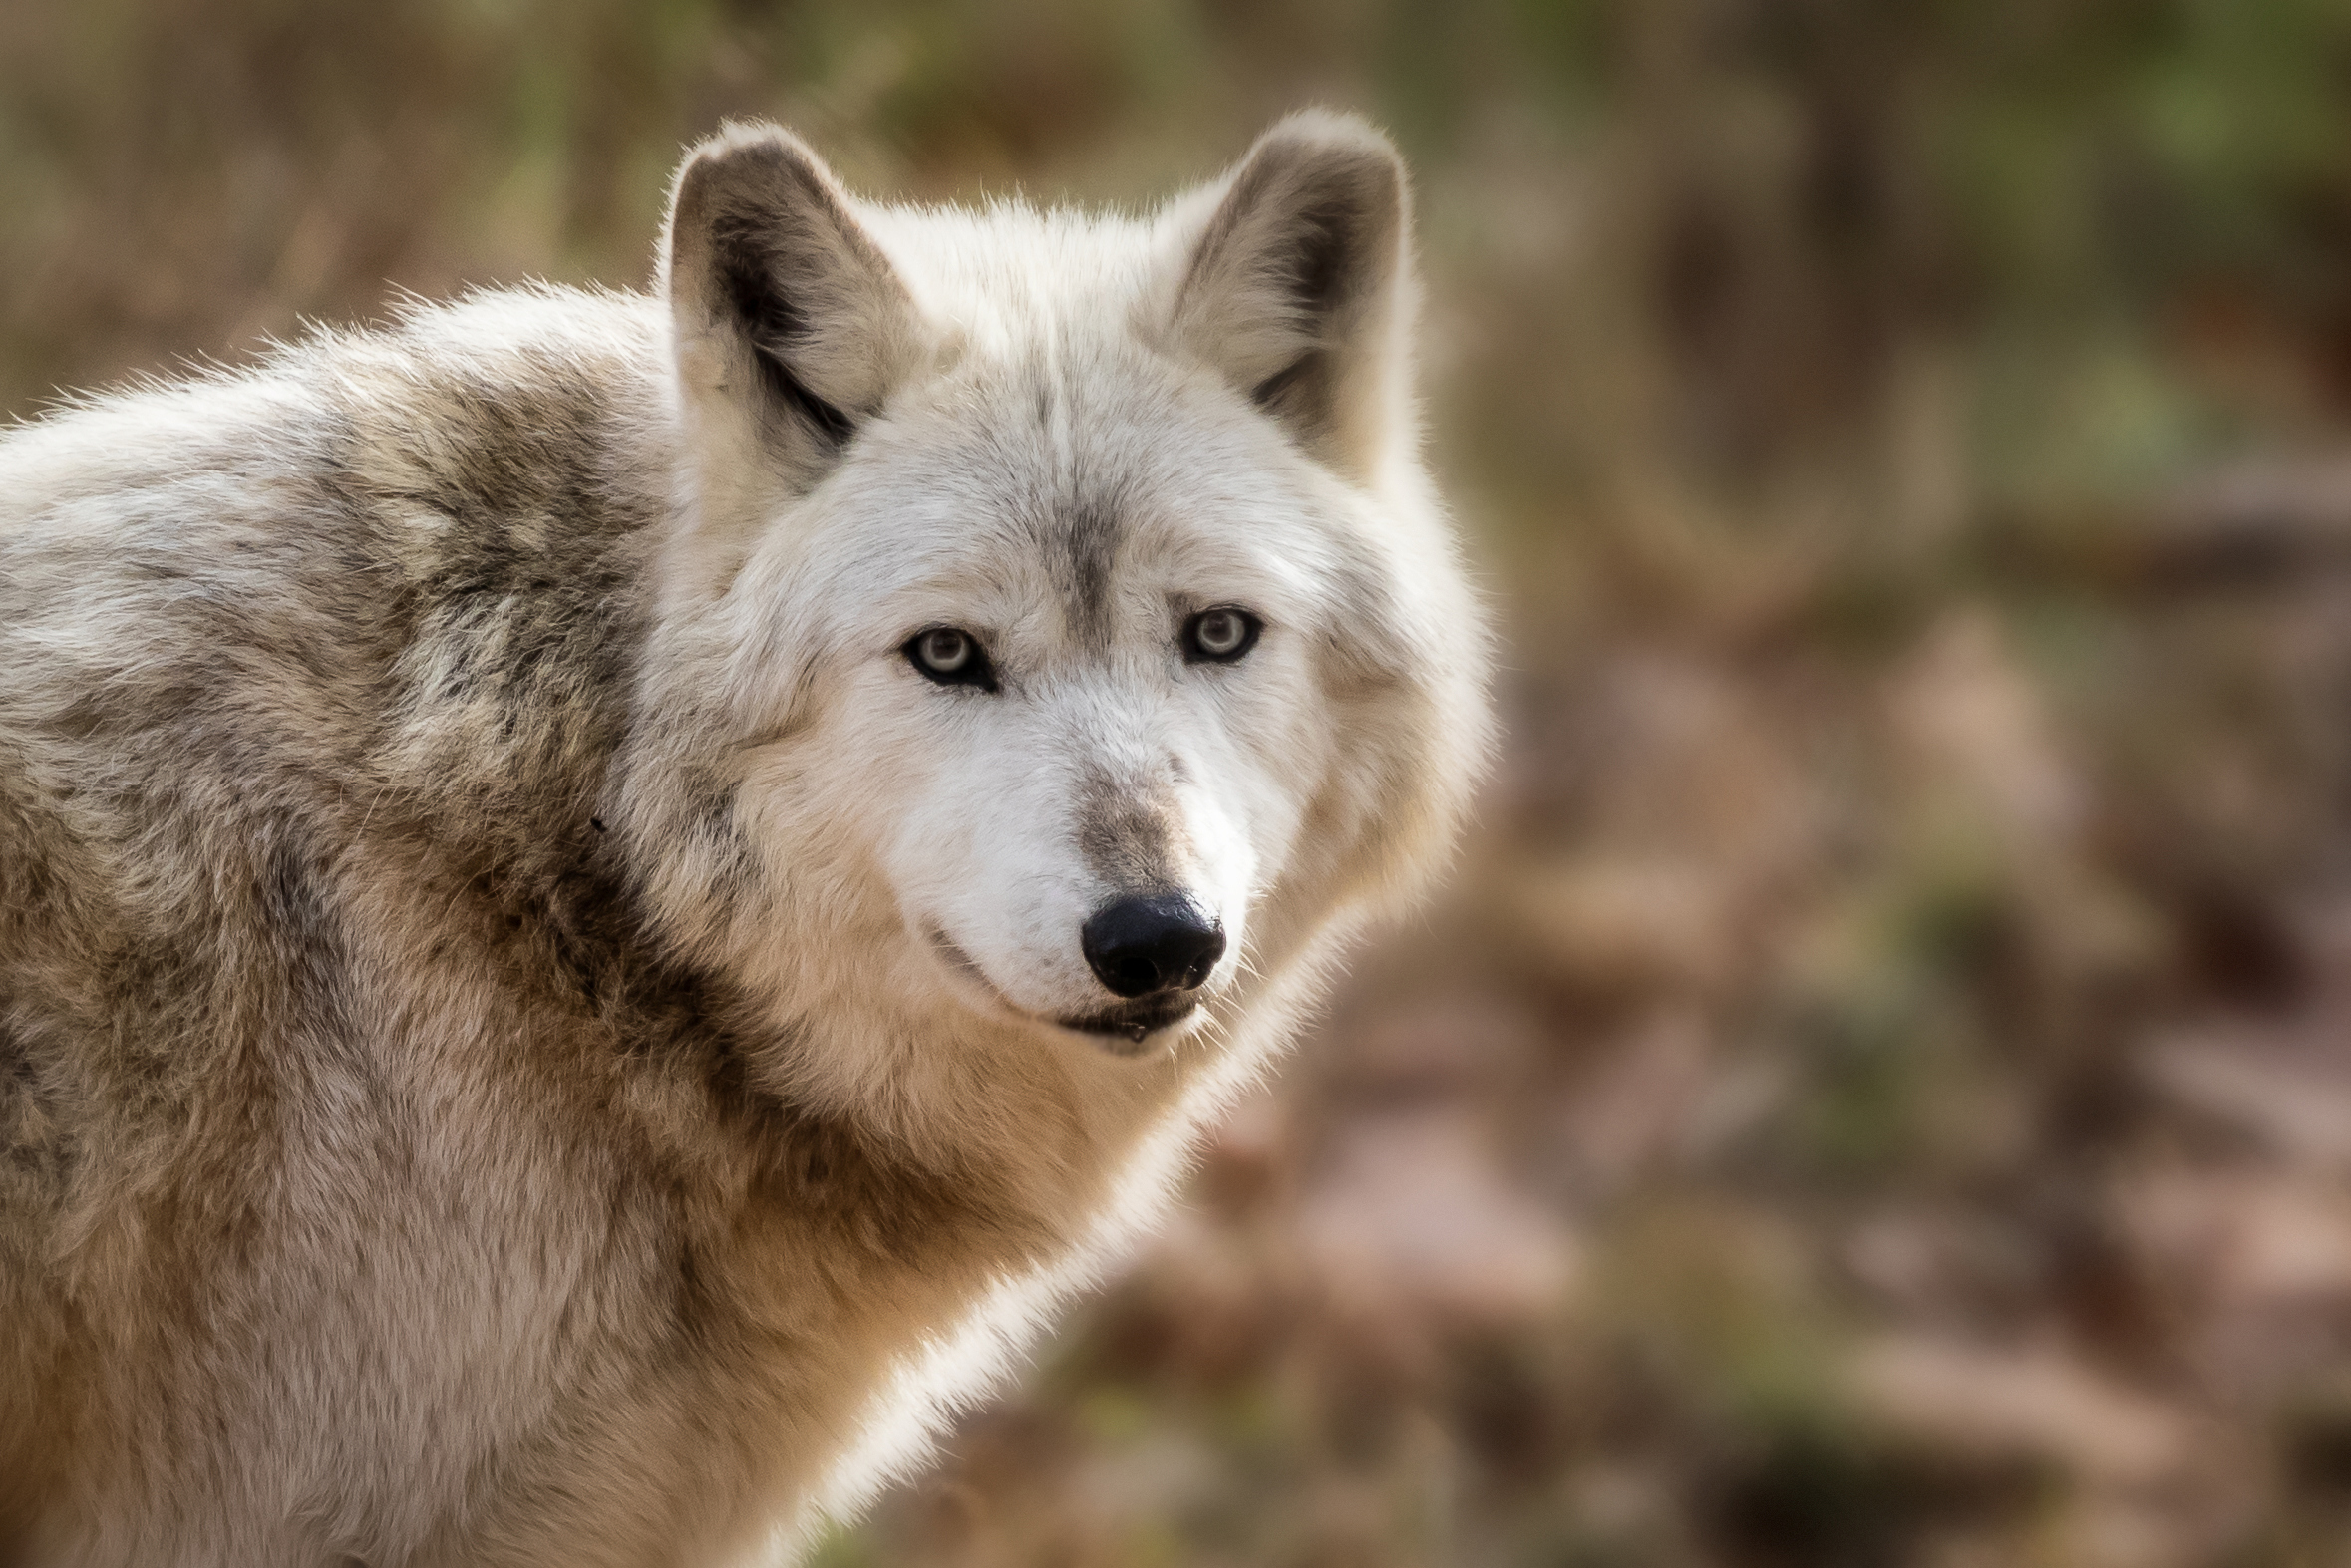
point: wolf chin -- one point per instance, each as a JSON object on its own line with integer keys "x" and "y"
{"x": 605, "y": 897}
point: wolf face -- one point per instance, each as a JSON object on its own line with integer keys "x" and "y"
{"x": 1055, "y": 585}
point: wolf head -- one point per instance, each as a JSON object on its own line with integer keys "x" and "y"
{"x": 1057, "y": 635}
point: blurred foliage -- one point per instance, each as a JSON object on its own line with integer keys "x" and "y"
{"x": 1880, "y": 1089}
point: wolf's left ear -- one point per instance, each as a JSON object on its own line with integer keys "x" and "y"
{"x": 1298, "y": 284}
{"x": 790, "y": 325}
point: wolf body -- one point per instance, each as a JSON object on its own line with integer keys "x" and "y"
{"x": 603, "y": 897}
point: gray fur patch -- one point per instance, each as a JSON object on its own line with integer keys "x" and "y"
{"x": 1126, "y": 835}
{"x": 1084, "y": 552}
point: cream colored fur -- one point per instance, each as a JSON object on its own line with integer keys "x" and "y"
{"x": 530, "y": 1032}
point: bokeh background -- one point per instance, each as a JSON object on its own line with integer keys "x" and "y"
{"x": 1878, "y": 1091}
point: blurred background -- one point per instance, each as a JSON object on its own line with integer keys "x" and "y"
{"x": 1878, "y": 1090}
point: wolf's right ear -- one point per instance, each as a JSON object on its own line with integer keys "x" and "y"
{"x": 790, "y": 327}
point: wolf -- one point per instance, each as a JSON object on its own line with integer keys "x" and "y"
{"x": 606, "y": 896}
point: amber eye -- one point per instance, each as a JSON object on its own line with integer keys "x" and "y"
{"x": 944, "y": 651}
{"x": 952, "y": 657}
{"x": 1221, "y": 635}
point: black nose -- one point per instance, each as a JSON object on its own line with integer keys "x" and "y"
{"x": 1139, "y": 946}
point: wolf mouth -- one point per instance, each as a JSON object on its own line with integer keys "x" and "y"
{"x": 1132, "y": 1025}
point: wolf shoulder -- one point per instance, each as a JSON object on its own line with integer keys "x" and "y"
{"x": 457, "y": 407}
{"x": 255, "y": 608}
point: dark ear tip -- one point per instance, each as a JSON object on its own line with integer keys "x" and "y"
{"x": 760, "y": 140}
{"x": 1330, "y": 135}
{"x": 1324, "y": 151}
{"x": 742, "y": 150}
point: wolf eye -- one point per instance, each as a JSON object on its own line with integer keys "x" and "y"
{"x": 1219, "y": 636}
{"x": 951, "y": 657}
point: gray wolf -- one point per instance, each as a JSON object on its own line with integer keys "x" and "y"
{"x": 605, "y": 897}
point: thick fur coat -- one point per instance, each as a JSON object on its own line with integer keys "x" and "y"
{"x": 561, "y": 862}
